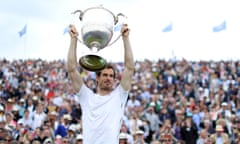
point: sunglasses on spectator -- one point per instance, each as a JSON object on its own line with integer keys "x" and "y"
{"x": 165, "y": 140}
{"x": 66, "y": 141}
{"x": 7, "y": 140}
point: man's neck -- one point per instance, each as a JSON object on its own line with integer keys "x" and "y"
{"x": 103, "y": 92}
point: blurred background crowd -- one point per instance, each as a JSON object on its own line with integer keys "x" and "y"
{"x": 181, "y": 101}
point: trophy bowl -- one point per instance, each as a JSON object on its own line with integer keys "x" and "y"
{"x": 96, "y": 34}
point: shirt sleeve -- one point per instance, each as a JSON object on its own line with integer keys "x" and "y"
{"x": 123, "y": 95}
{"x": 84, "y": 94}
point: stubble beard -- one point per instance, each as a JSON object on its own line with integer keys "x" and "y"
{"x": 105, "y": 87}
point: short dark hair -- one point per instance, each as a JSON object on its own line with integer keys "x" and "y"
{"x": 108, "y": 66}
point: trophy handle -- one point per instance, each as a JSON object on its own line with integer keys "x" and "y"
{"x": 81, "y": 14}
{"x": 115, "y": 40}
{"x": 117, "y": 17}
{"x": 116, "y": 21}
{"x": 80, "y": 17}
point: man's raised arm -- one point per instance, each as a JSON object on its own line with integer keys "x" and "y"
{"x": 128, "y": 59}
{"x": 72, "y": 60}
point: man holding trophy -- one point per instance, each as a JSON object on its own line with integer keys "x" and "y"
{"x": 103, "y": 110}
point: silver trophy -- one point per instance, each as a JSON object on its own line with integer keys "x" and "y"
{"x": 96, "y": 33}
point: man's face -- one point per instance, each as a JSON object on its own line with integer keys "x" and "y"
{"x": 122, "y": 141}
{"x": 79, "y": 141}
{"x": 106, "y": 79}
{"x": 218, "y": 133}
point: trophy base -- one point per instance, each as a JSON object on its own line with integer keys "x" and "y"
{"x": 92, "y": 62}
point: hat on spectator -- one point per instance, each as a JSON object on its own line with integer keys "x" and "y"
{"x": 22, "y": 100}
{"x": 207, "y": 121}
{"x": 48, "y": 141}
{"x": 78, "y": 127}
{"x": 224, "y": 104}
{"x": 122, "y": 135}
{"x": 179, "y": 92}
{"x": 67, "y": 117}
{"x": 20, "y": 121}
{"x": 10, "y": 100}
{"x": 152, "y": 104}
{"x": 178, "y": 111}
{"x": 1, "y": 108}
{"x": 41, "y": 79}
{"x": 139, "y": 132}
{"x": 38, "y": 84}
{"x": 53, "y": 113}
{"x": 35, "y": 76}
{"x": 58, "y": 136}
{"x": 189, "y": 114}
{"x": 200, "y": 89}
{"x": 35, "y": 98}
{"x": 135, "y": 87}
{"x": 79, "y": 137}
{"x": 219, "y": 128}
{"x": 15, "y": 108}
{"x": 72, "y": 128}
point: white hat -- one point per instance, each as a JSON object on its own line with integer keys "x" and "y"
{"x": 122, "y": 135}
{"x": 10, "y": 100}
{"x": 48, "y": 141}
{"x": 79, "y": 137}
{"x": 22, "y": 100}
{"x": 200, "y": 89}
{"x": 139, "y": 132}
{"x": 15, "y": 108}
{"x": 78, "y": 126}
{"x": 67, "y": 116}
{"x": 178, "y": 111}
{"x": 37, "y": 84}
{"x": 1, "y": 108}
{"x": 71, "y": 128}
{"x": 219, "y": 128}
{"x": 224, "y": 104}
{"x": 35, "y": 97}
{"x": 20, "y": 121}
{"x": 53, "y": 113}
{"x": 135, "y": 87}
{"x": 152, "y": 104}
{"x": 207, "y": 121}
{"x": 58, "y": 136}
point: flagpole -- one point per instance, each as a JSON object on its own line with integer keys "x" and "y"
{"x": 22, "y": 33}
{"x": 24, "y": 47}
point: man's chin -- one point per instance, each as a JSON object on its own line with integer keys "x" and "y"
{"x": 107, "y": 88}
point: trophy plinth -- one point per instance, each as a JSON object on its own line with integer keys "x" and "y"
{"x": 96, "y": 34}
{"x": 93, "y": 61}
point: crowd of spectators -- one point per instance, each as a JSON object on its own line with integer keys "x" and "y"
{"x": 171, "y": 101}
